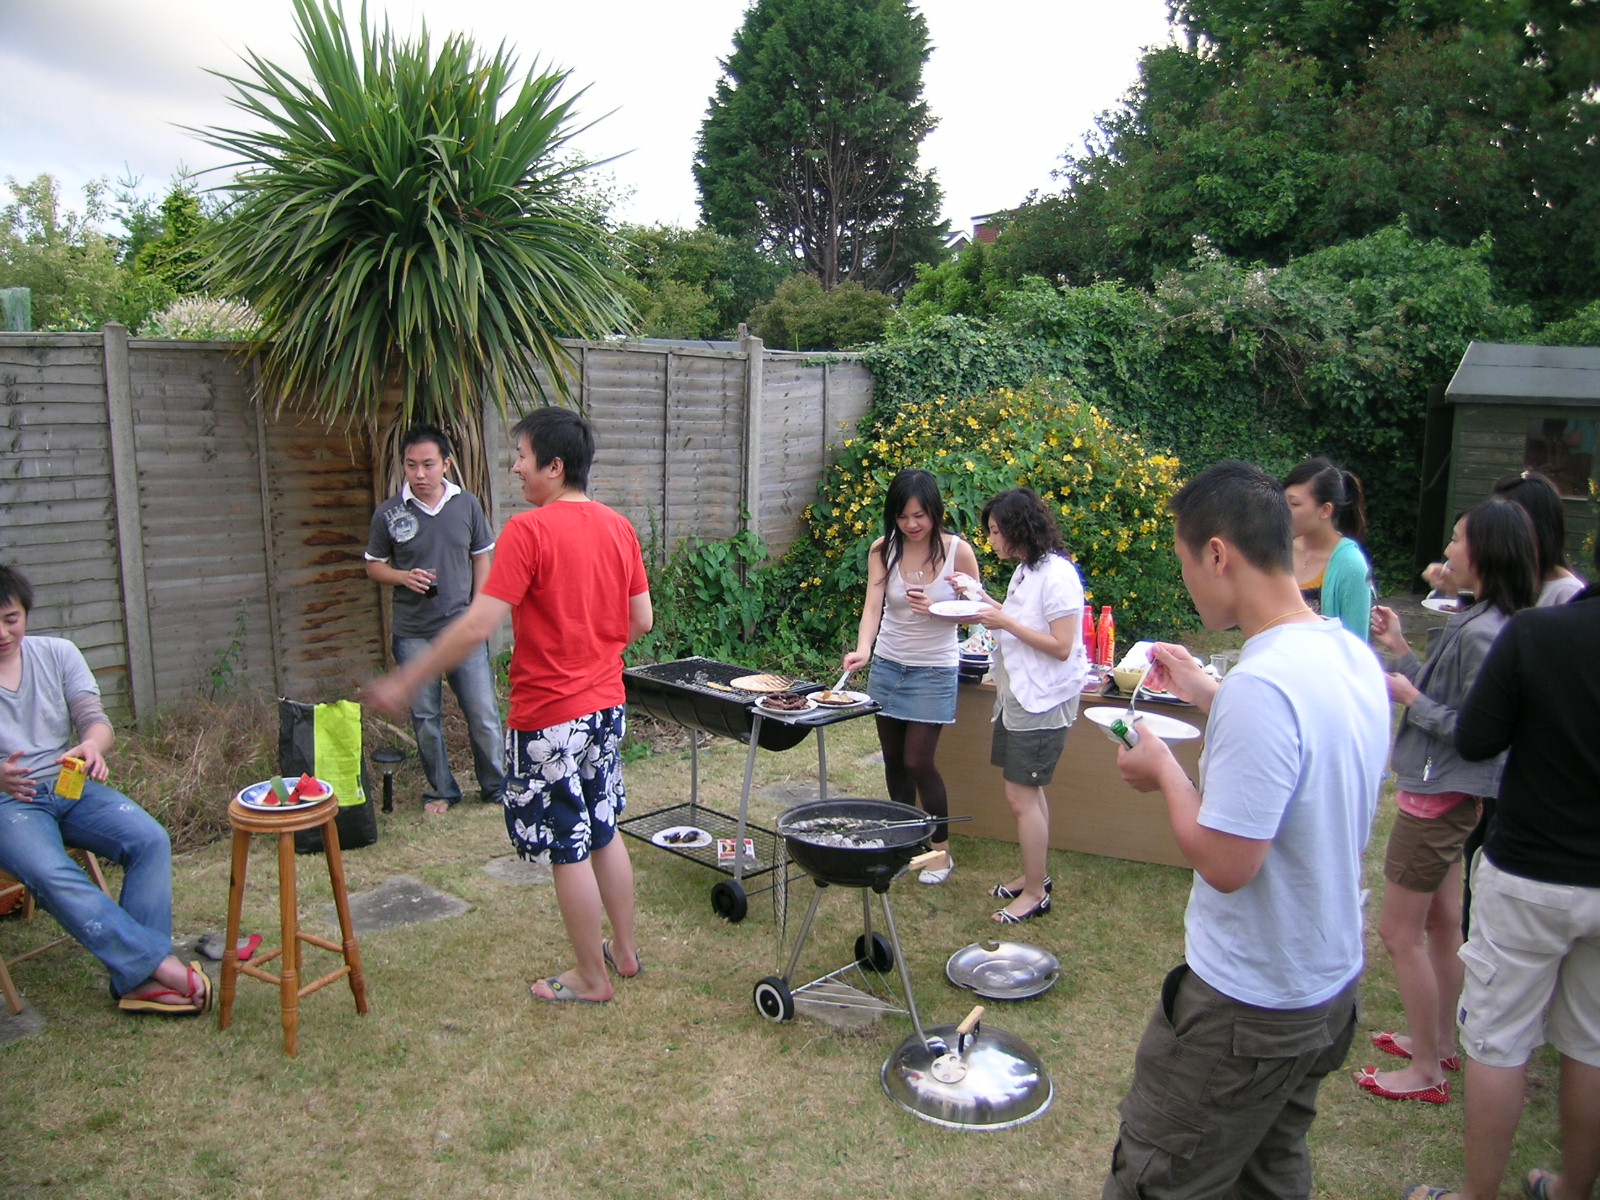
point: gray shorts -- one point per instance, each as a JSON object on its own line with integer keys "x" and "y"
{"x": 1221, "y": 1088}
{"x": 1027, "y": 756}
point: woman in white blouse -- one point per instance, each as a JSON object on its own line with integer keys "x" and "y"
{"x": 1039, "y": 670}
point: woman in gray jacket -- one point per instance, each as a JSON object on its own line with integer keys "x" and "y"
{"x": 1439, "y": 793}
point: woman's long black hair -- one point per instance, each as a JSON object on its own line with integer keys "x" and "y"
{"x": 1537, "y": 496}
{"x": 1026, "y": 522}
{"x": 912, "y": 484}
{"x": 1500, "y": 544}
{"x": 1334, "y": 485}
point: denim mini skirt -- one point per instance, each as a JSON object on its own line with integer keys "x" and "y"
{"x": 926, "y": 695}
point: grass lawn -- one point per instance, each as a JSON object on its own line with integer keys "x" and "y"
{"x": 458, "y": 1084}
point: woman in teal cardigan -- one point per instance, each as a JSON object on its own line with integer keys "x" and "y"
{"x": 1330, "y": 518}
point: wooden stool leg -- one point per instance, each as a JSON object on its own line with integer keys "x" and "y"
{"x": 13, "y": 1000}
{"x": 289, "y": 920}
{"x": 230, "y": 956}
{"x": 341, "y": 903}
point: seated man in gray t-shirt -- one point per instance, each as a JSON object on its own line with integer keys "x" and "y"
{"x": 50, "y": 711}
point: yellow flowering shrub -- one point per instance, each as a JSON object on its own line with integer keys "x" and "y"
{"x": 1108, "y": 492}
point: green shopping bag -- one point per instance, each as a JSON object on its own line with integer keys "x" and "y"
{"x": 325, "y": 740}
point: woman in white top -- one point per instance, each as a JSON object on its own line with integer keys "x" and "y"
{"x": 1039, "y": 669}
{"x": 914, "y": 655}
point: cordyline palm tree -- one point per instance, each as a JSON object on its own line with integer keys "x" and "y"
{"x": 403, "y": 224}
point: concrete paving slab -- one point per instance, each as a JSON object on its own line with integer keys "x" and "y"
{"x": 24, "y": 1025}
{"x": 398, "y": 901}
{"x": 508, "y": 868}
{"x": 789, "y": 793}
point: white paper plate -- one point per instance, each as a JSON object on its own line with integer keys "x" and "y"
{"x": 856, "y": 698}
{"x": 1442, "y": 604}
{"x": 957, "y": 610}
{"x": 785, "y": 712}
{"x": 251, "y": 796}
{"x": 1168, "y": 729}
{"x": 701, "y": 838}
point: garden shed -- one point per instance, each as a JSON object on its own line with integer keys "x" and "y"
{"x": 1526, "y": 408}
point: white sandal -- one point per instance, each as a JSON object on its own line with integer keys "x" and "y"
{"x": 940, "y": 875}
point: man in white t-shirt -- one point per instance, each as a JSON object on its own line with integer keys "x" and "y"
{"x": 1264, "y": 1005}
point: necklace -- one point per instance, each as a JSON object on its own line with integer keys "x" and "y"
{"x": 1293, "y": 612}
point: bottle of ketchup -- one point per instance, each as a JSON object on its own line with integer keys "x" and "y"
{"x": 1106, "y": 638}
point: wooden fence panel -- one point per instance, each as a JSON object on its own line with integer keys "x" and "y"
{"x": 319, "y": 508}
{"x": 248, "y": 529}
{"x": 57, "y": 512}
{"x": 202, "y": 518}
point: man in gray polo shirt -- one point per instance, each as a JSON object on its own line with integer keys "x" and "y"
{"x": 432, "y": 544}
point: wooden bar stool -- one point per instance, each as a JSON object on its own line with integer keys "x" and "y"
{"x": 285, "y": 824}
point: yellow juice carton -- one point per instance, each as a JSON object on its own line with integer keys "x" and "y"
{"x": 69, "y": 785}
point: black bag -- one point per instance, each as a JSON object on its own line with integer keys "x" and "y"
{"x": 297, "y": 755}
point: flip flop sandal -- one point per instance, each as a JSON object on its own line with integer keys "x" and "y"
{"x": 162, "y": 1000}
{"x": 605, "y": 951}
{"x": 560, "y": 993}
{"x": 1537, "y": 1184}
{"x": 1415, "y": 1192}
{"x": 199, "y": 988}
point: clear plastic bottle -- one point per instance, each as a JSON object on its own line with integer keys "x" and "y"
{"x": 1090, "y": 643}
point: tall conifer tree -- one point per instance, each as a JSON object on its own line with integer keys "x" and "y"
{"x": 811, "y": 139}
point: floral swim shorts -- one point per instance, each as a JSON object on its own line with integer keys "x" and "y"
{"x": 564, "y": 787}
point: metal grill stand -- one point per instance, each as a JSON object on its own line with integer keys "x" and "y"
{"x": 836, "y": 992}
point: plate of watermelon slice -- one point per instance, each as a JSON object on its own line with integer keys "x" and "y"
{"x": 276, "y": 793}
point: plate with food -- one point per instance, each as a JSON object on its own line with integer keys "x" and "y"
{"x": 1168, "y": 729}
{"x": 681, "y": 837}
{"x": 957, "y": 610}
{"x": 1442, "y": 604}
{"x": 264, "y": 797}
{"x": 762, "y": 683}
{"x": 841, "y": 699}
{"x": 786, "y": 703}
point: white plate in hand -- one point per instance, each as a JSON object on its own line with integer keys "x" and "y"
{"x": 1168, "y": 729}
{"x": 1442, "y": 604}
{"x": 957, "y": 610}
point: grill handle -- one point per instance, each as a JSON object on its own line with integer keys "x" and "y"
{"x": 920, "y": 861}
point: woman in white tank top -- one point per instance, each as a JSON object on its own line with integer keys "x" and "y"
{"x": 914, "y": 655}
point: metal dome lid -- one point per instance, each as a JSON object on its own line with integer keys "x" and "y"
{"x": 968, "y": 1077}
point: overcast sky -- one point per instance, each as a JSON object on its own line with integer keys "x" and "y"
{"x": 98, "y": 87}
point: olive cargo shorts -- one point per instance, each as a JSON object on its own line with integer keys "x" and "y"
{"x": 1223, "y": 1094}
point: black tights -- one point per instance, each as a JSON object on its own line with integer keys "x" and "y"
{"x": 909, "y": 770}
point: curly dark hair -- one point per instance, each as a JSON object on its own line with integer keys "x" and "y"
{"x": 1026, "y": 522}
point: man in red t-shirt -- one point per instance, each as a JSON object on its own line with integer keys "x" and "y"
{"x": 571, "y": 576}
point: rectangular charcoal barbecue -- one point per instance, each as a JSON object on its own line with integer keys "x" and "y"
{"x": 683, "y": 693}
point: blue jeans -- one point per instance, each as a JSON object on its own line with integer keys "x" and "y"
{"x": 130, "y": 938}
{"x": 473, "y": 684}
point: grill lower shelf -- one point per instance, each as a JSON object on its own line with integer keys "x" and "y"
{"x": 718, "y": 825}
